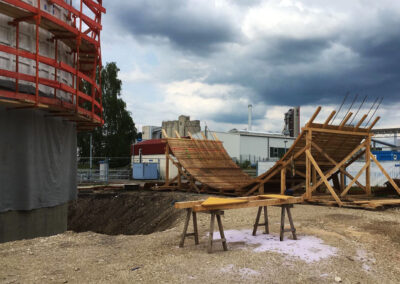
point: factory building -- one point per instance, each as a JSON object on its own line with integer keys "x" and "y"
{"x": 252, "y": 146}
{"x": 183, "y": 126}
{"x": 292, "y": 122}
{"x": 151, "y": 132}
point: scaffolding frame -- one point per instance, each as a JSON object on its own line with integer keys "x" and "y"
{"x": 84, "y": 109}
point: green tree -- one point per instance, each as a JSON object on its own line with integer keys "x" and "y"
{"x": 117, "y": 134}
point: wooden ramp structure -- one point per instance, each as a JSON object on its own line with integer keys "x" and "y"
{"x": 205, "y": 165}
{"x": 319, "y": 156}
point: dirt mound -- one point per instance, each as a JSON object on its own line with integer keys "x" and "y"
{"x": 130, "y": 213}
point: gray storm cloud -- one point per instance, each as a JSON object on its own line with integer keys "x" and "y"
{"x": 359, "y": 53}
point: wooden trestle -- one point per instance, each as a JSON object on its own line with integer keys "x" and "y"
{"x": 217, "y": 210}
{"x": 320, "y": 154}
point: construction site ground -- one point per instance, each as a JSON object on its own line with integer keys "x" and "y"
{"x": 340, "y": 245}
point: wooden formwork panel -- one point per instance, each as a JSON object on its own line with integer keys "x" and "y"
{"x": 209, "y": 163}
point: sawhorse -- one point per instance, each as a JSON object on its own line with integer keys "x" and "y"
{"x": 214, "y": 214}
{"x": 284, "y": 207}
{"x": 217, "y": 214}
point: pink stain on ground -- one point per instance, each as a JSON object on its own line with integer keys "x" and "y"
{"x": 306, "y": 248}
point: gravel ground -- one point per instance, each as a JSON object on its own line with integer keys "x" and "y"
{"x": 366, "y": 245}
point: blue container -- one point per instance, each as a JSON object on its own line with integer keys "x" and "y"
{"x": 145, "y": 171}
{"x": 386, "y": 155}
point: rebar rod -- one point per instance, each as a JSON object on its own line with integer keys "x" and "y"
{"x": 358, "y": 110}
{"x": 374, "y": 111}
{"x": 344, "y": 99}
{"x": 345, "y": 115}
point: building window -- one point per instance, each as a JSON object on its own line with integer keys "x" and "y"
{"x": 275, "y": 152}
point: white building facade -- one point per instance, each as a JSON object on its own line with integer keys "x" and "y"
{"x": 253, "y": 146}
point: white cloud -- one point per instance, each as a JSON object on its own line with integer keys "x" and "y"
{"x": 289, "y": 19}
{"x": 134, "y": 75}
{"x": 202, "y": 99}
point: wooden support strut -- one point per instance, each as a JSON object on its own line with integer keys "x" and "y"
{"x": 341, "y": 169}
{"x": 217, "y": 214}
{"x": 257, "y": 222}
{"x": 282, "y": 227}
{"x": 308, "y": 165}
{"x": 271, "y": 175}
{"x": 195, "y": 233}
{"x": 367, "y": 165}
{"x": 345, "y": 120}
{"x": 314, "y": 115}
{"x": 324, "y": 178}
{"x": 166, "y": 164}
{"x": 338, "y": 166}
{"x": 385, "y": 173}
{"x": 182, "y": 172}
{"x": 329, "y": 119}
{"x": 355, "y": 178}
{"x": 283, "y": 180}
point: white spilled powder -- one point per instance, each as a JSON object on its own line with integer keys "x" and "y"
{"x": 227, "y": 268}
{"x": 366, "y": 259}
{"x": 244, "y": 273}
{"x": 306, "y": 248}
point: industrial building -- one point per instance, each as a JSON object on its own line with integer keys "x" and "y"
{"x": 292, "y": 122}
{"x": 48, "y": 50}
{"x": 183, "y": 126}
{"x": 253, "y": 146}
{"x": 243, "y": 145}
{"x": 151, "y": 132}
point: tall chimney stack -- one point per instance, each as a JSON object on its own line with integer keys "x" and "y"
{"x": 250, "y": 117}
{"x": 296, "y": 121}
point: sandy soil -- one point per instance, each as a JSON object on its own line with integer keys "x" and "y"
{"x": 358, "y": 246}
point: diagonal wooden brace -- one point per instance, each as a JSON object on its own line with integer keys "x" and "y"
{"x": 338, "y": 166}
{"x": 323, "y": 178}
{"x": 355, "y": 179}
{"x": 385, "y": 173}
{"x": 342, "y": 169}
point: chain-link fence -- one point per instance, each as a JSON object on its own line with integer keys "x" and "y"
{"x": 103, "y": 169}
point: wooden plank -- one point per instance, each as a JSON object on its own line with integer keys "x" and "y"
{"x": 276, "y": 196}
{"x": 253, "y": 203}
{"x": 191, "y": 204}
{"x": 308, "y": 165}
{"x": 343, "y": 123}
{"x": 216, "y": 201}
{"x": 368, "y": 168}
{"x": 166, "y": 163}
{"x": 373, "y": 123}
{"x": 334, "y": 131}
{"x": 361, "y": 121}
{"x": 314, "y": 116}
{"x": 324, "y": 178}
{"x": 283, "y": 180}
{"x": 329, "y": 119}
{"x": 215, "y": 136}
{"x": 164, "y": 133}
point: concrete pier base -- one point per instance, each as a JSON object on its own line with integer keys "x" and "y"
{"x": 17, "y": 225}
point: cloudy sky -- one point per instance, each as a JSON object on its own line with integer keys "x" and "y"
{"x": 210, "y": 59}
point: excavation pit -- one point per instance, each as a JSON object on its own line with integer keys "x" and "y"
{"x": 128, "y": 213}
